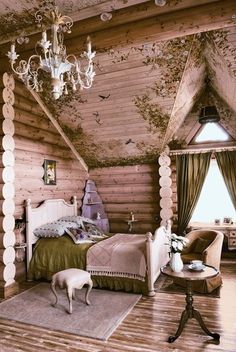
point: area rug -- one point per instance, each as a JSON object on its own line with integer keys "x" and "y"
{"x": 166, "y": 284}
{"x": 99, "y": 320}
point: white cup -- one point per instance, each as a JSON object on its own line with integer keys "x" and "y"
{"x": 196, "y": 263}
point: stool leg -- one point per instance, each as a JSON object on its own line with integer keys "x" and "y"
{"x": 69, "y": 291}
{"x": 73, "y": 294}
{"x": 89, "y": 288}
{"x": 53, "y": 287}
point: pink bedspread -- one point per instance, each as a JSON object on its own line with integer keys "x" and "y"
{"x": 122, "y": 255}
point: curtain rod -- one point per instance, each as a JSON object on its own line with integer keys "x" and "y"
{"x": 199, "y": 151}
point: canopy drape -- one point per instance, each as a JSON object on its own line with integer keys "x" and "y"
{"x": 191, "y": 172}
{"x": 226, "y": 161}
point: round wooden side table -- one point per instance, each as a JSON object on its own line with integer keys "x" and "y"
{"x": 190, "y": 312}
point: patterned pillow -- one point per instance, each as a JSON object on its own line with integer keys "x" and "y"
{"x": 94, "y": 230}
{"x": 78, "y": 219}
{"x": 68, "y": 220}
{"x": 53, "y": 229}
{"x": 89, "y": 221}
{"x": 79, "y": 235}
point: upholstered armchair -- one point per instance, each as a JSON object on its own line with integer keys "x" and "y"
{"x": 205, "y": 245}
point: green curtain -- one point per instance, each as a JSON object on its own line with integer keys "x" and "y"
{"x": 227, "y": 164}
{"x": 191, "y": 170}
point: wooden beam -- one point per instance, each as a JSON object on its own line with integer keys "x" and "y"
{"x": 167, "y": 26}
{"x": 122, "y": 12}
{"x": 139, "y": 22}
{"x": 211, "y": 147}
{"x": 81, "y": 14}
{"x": 58, "y": 128}
{"x": 135, "y": 14}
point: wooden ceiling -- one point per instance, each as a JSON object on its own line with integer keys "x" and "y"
{"x": 151, "y": 66}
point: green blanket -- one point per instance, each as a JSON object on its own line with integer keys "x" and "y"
{"x": 51, "y": 255}
{"x": 55, "y": 254}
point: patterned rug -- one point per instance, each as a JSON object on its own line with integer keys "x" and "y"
{"x": 99, "y": 320}
{"x": 166, "y": 284}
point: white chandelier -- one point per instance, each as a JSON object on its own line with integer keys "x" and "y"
{"x": 51, "y": 57}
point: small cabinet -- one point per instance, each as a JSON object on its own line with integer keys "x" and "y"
{"x": 93, "y": 208}
{"x": 232, "y": 239}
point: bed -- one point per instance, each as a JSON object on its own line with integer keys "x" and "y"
{"x": 46, "y": 256}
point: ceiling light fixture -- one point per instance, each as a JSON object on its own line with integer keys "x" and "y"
{"x": 208, "y": 112}
{"x": 106, "y": 16}
{"x": 160, "y": 2}
{"x": 65, "y": 70}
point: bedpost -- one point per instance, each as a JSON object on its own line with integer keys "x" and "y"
{"x": 157, "y": 254}
{"x": 168, "y": 226}
{"x": 75, "y": 203}
{"x": 151, "y": 291}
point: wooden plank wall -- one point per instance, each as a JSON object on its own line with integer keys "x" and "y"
{"x": 129, "y": 188}
{"x": 36, "y": 139}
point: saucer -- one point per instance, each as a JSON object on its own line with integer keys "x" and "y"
{"x": 196, "y": 268}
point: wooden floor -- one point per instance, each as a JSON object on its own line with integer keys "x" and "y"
{"x": 146, "y": 328}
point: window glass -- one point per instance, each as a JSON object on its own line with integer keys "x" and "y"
{"x": 214, "y": 201}
{"x": 211, "y": 132}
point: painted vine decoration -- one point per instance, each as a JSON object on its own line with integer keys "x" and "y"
{"x": 220, "y": 39}
{"x": 19, "y": 21}
{"x": 152, "y": 113}
{"x": 73, "y": 134}
{"x": 143, "y": 159}
{"x": 177, "y": 144}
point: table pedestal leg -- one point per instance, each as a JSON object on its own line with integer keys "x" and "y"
{"x": 198, "y": 317}
{"x": 189, "y": 313}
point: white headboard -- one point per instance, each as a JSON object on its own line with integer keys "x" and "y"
{"x": 50, "y": 210}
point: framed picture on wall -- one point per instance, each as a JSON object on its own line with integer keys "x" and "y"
{"x": 227, "y": 220}
{"x": 49, "y": 172}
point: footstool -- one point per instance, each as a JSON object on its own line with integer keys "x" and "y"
{"x": 71, "y": 279}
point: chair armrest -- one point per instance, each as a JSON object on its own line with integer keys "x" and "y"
{"x": 212, "y": 254}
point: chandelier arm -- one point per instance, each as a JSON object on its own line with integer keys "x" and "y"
{"x": 24, "y": 65}
{"x": 88, "y": 69}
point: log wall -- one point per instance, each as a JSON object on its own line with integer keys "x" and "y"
{"x": 129, "y": 188}
{"x": 8, "y": 284}
{"x": 35, "y": 139}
